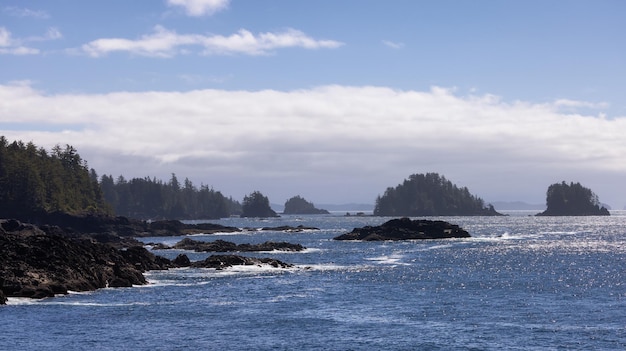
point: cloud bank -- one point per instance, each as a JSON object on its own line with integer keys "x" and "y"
{"x": 346, "y": 136}
{"x": 167, "y": 43}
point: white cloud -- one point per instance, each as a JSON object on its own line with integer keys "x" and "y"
{"x": 24, "y": 12}
{"x": 14, "y": 46}
{"x": 370, "y": 137}
{"x": 393, "y": 45}
{"x": 11, "y": 46}
{"x": 198, "y": 8}
{"x": 567, "y": 103}
{"x": 52, "y": 33}
{"x": 5, "y": 37}
{"x": 168, "y": 43}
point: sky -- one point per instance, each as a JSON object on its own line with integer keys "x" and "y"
{"x": 334, "y": 101}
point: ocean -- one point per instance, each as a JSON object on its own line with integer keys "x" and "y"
{"x": 520, "y": 283}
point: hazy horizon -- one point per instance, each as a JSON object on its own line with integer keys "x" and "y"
{"x": 333, "y": 101}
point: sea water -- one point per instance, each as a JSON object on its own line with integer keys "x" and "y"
{"x": 520, "y": 283}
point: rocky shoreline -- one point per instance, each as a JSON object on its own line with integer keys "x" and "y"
{"x": 89, "y": 253}
{"x": 47, "y": 260}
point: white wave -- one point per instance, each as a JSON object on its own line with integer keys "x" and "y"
{"x": 560, "y": 233}
{"x": 436, "y": 247}
{"x": 392, "y": 259}
{"x": 22, "y": 301}
{"x": 332, "y": 267}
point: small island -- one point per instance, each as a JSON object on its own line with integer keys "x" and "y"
{"x": 257, "y": 205}
{"x": 430, "y": 194}
{"x": 406, "y": 229}
{"x": 572, "y": 200}
{"x": 299, "y": 206}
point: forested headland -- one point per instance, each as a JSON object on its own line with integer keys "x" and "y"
{"x": 35, "y": 182}
{"x": 430, "y": 194}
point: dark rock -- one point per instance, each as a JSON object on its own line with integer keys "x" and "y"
{"x": 227, "y": 246}
{"x": 406, "y": 229}
{"x": 224, "y": 261}
{"x": 181, "y": 261}
{"x": 159, "y": 246}
{"x": 106, "y": 228}
{"x": 36, "y": 264}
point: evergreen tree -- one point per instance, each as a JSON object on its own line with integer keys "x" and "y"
{"x": 572, "y": 200}
{"x": 430, "y": 195}
{"x": 257, "y": 205}
{"x": 298, "y": 205}
{"x": 149, "y": 198}
{"x": 34, "y": 183}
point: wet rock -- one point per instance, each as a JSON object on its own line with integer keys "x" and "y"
{"x": 224, "y": 261}
{"x": 227, "y": 246}
{"x": 37, "y": 264}
{"x": 406, "y": 229}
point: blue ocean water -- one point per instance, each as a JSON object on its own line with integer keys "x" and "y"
{"x": 520, "y": 283}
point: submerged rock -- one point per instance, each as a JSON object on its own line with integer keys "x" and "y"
{"x": 406, "y": 229}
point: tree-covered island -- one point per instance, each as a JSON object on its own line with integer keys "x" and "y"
{"x": 430, "y": 194}
{"x": 297, "y": 205}
{"x": 572, "y": 199}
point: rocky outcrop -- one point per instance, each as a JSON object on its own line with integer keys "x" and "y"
{"x": 406, "y": 229}
{"x": 40, "y": 262}
{"x": 227, "y": 246}
{"x": 224, "y": 261}
{"x": 37, "y": 264}
{"x": 121, "y": 231}
{"x": 176, "y": 228}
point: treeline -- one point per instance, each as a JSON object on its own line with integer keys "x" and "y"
{"x": 149, "y": 198}
{"x": 430, "y": 194}
{"x": 34, "y": 182}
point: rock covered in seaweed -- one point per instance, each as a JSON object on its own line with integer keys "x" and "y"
{"x": 406, "y": 229}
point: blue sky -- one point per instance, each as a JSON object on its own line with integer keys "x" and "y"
{"x": 332, "y": 100}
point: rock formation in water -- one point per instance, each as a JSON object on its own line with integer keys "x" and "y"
{"x": 430, "y": 195}
{"x": 299, "y": 206}
{"x": 227, "y": 246}
{"x": 406, "y": 229}
{"x": 224, "y": 261}
{"x": 43, "y": 261}
{"x": 572, "y": 200}
{"x": 34, "y": 263}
